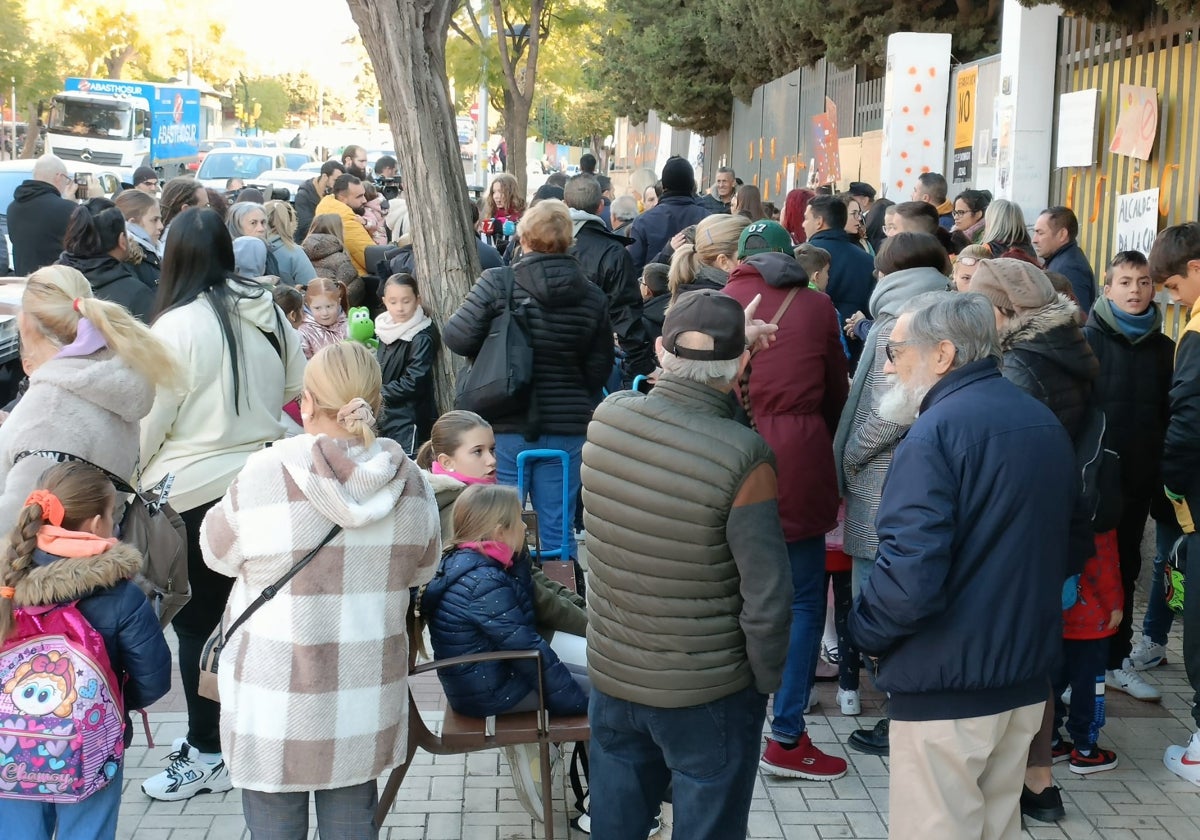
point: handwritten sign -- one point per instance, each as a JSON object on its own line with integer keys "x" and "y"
{"x": 965, "y": 87}
{"x": 1077, "y": 128}
{"x": 825, "y": 142}
{"x": 1138, "y": 123}
{"x": 1137, "y": 221}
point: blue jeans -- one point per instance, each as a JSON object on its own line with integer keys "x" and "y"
{"x": 708, "y": 753}
{"x": 95, "y": 818}
{"x": 1082, "y": 668}
{"x": 804, "y": 646}
{"x": 1159, "y": 617}
{"x": 544, "y": 480}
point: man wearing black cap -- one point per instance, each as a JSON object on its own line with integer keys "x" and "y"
{"x": 676, "y": 209}
{"x": 145, "y": 178}
{"x": 678, "y": 493}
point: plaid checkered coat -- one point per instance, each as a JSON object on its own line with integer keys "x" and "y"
{"x": 314, "y": 684}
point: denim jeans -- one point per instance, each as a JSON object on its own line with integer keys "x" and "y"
{"x": 1157, "y": 624}
{"x": 95, "y": 818}
{"x": 544, "y": 480}
{"x": 708, "y": 753}
{"x": 1082, "y": 669}
{"x": 804, "y": 645}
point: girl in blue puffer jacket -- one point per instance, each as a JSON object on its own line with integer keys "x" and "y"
{"x": 481, "y": 601}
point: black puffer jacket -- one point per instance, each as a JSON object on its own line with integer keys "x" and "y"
{"x": 569, "y": 330}
{"x": 37, "y": 222}
{"x": 114, "y": 281}
{"x": 654, "y": 312}
{"x": 1132, "y": 388}
{"x": 605, "y": 261}
{"x": 408, "y": 405}
{"x": 307, "y": 199}
{"x": 1046, "y": 355}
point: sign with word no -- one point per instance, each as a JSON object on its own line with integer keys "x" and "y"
{"x": 966, "y": 88}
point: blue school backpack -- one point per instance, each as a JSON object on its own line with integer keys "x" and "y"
{"x": 62, "y": 720}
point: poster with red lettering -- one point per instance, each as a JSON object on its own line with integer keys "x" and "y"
{"x": 825, "y": 145}
{"x": 1138, "y": 124}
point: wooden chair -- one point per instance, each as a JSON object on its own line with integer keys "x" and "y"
{"x": 461, "y": 734}
{"x": 558, "y": 571}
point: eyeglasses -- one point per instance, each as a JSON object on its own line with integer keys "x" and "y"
{"x": 891, "y": 346}
{"x": 958, "y": 214}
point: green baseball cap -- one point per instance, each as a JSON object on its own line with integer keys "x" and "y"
{"x": 762, "y": 238}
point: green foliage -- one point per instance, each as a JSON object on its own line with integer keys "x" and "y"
{"x": 272, "y": 101}
{"x": 33, "y": 64}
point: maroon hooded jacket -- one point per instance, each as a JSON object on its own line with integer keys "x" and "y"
{"x": 798, "y": 386}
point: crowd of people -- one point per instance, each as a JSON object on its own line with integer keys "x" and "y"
{"x": 858, "y": 431}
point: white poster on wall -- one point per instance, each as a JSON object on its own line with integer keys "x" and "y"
{"x": 1137, "y": 221}
{"x": 1077, "y": 128}
{"x": 916, "y": 90}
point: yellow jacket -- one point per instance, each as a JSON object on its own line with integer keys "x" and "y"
{"x": 356, "y": 236}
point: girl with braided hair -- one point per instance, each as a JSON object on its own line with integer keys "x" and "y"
{"x": 62, "y": 550}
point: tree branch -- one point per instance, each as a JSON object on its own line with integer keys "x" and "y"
{"x": 474, "y": 22}
{"x": 506, "y": 61}
{"x": 462, "y": 34}
{"x": 535, "y": 41}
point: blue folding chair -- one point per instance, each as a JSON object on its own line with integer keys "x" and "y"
{"x": 564, "y": 551}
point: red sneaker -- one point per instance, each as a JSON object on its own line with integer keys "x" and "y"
{"x": 804, "y": 761}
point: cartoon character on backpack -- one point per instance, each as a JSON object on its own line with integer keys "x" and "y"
{"x": 44, "y": 685}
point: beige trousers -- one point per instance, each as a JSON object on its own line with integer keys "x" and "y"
{"x": 960, "y": 779}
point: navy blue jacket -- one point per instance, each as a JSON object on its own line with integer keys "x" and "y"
{"x": 1072, "y": 263}
{"x": 474, "y": 605}
{"x": 964, "y": 604}
{"x": 654, "y": 228}
{"x": 851, "y": 272}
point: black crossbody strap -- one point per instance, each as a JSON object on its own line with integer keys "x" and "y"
{"x": 121, "y": 485}
{"x": 273, "y": 590}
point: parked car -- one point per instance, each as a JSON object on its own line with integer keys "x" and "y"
{"x": 248, "y": 164}
{"x": 296, "y": 159}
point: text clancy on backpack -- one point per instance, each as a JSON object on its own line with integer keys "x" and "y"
{"x": 62, "y": 721}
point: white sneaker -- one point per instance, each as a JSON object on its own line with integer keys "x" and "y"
{"x": 848, "y": 699}
{"x": 189, "y": 773}
{"x": 812, "y": 694}
{"x": 583, "y": 823}
{"x": 1132, "y": 683}
{"x": 1184, "y": 761}
{"x": 1146, "y": 655}
{"x": 525, "y": 764}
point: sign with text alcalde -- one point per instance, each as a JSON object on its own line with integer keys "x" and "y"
{"x": 1137, "y": 221}
{"x": 964, "y": 122}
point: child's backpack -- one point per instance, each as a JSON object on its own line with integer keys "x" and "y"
{"x": 62, "y": 717}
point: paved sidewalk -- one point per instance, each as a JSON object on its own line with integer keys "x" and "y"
{"x": 471, "y": 797}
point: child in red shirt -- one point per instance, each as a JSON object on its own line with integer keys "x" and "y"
{"x": 1092, "y": 610}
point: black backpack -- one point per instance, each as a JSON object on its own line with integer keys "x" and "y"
{"x": 501, "y": 375}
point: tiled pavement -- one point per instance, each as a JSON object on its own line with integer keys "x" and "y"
{"x": 471, "y": 797}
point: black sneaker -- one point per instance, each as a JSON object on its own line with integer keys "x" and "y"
{"x": 1094, "y": 762}
{"x": 1046, "y": 806}
{"x": 872, "y": 741}
{"x": 1061, "y": 750}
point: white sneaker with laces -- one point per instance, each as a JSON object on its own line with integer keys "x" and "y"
{"x": 1184, "y": 761}
{"x": 848, "y": 699}
{"x": 189, "y": 773}
{"x": 525, "y": 764}
{"x": 1146, "y": 655}
{"x": 1128, "y": 680}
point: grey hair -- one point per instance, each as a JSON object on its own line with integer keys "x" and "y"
{"x": 48, "y": 167}
{"x": 624, "y": 208}
{"x": 715, "y": 374}
{"x": 1004, "y": 222}
{"x": 966, "y": 320}
{"x": 583, "y": 193}
{"x": 237, "y": 213}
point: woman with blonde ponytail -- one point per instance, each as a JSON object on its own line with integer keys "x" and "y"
{"x": 92, "y": 369}
{"x": 341, "y": 619}
{"x": 706, "y": 265}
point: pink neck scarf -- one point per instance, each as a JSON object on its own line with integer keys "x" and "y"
{"x": 494, "y": 549}
{"x": 438, "y": 469}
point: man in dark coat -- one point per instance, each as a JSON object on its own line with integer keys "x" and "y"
{"x": 607, "y": 264}
{"x": 1054, "y": 239}
{"x": 310, "y": 193}
{"x": 963, "y": 610}
{"x": 851, "y": 270}
{"x": 38, "y": 215}
{"x": 677, "y": 209}
{"x": 720, "y": 197}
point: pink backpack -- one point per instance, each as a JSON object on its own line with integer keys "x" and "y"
{"x": 62, "y": 720}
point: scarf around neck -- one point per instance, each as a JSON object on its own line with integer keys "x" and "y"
{"x": 493, "y": 549}
{"x": 62, "y": 542}
{"x": 390, "y": 332}
{"x": 1135, "y": 327}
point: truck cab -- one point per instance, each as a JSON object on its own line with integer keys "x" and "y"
{"x": 104, "y": 130}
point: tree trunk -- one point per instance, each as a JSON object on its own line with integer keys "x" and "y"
{"x": 406, "y": 40}
{"x": 29, "y": 148}
{"x": 516, "y": 135}
{"x": 115, "y": 61}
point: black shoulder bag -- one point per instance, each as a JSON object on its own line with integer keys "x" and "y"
{"x": 501, "y": 375}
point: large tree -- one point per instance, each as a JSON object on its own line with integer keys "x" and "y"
{"x": 406, "y": 40}
{"x": 32, "y": 65}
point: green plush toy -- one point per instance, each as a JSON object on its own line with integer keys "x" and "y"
{"x": 361, "y": 327}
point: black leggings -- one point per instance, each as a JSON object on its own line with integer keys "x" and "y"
{"x": 193, "y": 625}
{"x": 848, "y": 655}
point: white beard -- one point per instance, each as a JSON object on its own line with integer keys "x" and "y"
{"x": 901, "y": 403}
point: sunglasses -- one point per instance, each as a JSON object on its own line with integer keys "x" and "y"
{"x": 891, "y": 347}
{"x": 968, "y": 261}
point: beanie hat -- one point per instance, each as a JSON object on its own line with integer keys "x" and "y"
{"x": 1013, "y": 285}
{"x": 546, "y": 191}
{"x": 678, "y": 176}
{"x": 143, "y": 174}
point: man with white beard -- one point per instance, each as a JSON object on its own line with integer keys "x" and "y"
{"x": 963, "y": 609}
